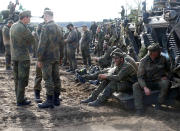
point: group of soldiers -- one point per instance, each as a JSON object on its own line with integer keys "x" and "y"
{"x": 117, "y": 52}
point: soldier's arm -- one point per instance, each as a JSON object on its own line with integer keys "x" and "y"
{"x": 71, "y": 37}
{"x": 6, "y": 33}
{"x": 43, "y": 42}
{"x": 125, "y": 71}
{"x": 141, "y": 74}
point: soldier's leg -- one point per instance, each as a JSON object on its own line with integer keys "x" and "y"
{"x": 73, "y": 58}
{"x": 138, "y": 96}
{"x": 15, "y": 73}
{"x": 49, "y": 85}
{"x": 88, "y": 57}
{"x": 8, "y": 57}
{"x": 164, "y": 86}
{"x": 57, "y": 83}
{"x": 69, "y": 52}
{"x": 38, "y": 78}
{"x": 107, "y": 92}
{"x": 98, "y": 90}
{"x": 65, "y": 55}
{"x": 84, "y": 56}
{"x": 23, "y": 77}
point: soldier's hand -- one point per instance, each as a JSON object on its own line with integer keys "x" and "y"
{"x": 39, "y": 64}
{"x": 147, "y": 91}
{"x": 102, "y": 77}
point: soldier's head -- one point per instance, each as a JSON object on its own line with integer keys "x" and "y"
{"x": 25, "y": 17}
{"x": 48, "y": 15}
{"x": 98, "y": 29}
{"x": 118, "y": 57}
{"x": 154, "y": 50}
{"x": 70, "y": 26}
{"x": 10, "y": 22}
{"x": 84, "y": 27}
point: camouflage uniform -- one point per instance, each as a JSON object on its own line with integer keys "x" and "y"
{"x": 49, "y": 55}
{"x": 100, "y": 39}
{"x": 119, "y": 79}
{"x": 65, "y": 50}
{"x": 6, "y": 40}
{"x": 72, "y": 40}
{"x": 150, "y": 75}
{"x": 79, "y": 37}
{"x": 93, "y": 29}
{"x": 20, "y": 38}
{"x": 85, "y": 43}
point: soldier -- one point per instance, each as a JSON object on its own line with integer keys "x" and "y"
{"x": 71, "y": 41}
{"x": 38, "y": 73}
{"x": 48, "y": 60}
{"x": 85, "y": 43}
{"x": 122, "y": 13}
{"x": 152, "y": 75}
{"x": 65, "y": 50}
{"x": 79, "y": 37}
{"x": 100, "y": 39}
{"x": 93, "y": 29}
{"x": 119, "y": 79}
{"x": 20, "y": 39}
{"x": 6, "y": 40}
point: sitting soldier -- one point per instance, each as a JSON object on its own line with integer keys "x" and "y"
{"x": 152, "y": 75}
{"x": 120, "y": 79}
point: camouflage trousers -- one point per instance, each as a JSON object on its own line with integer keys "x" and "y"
{"x": 65, "y": 55}
{"x": 50, "y": 73}
{"x": 71, "y": 50}
{"x": 107, "y": 88}
{"x": 7, "y": 56}
{"x": 21, "y": 77}
{"x": 100, "y": 49}
{"x": 162, "y": 85}
{"x": 86, "y": 56}
{"x": 38, "y": 78}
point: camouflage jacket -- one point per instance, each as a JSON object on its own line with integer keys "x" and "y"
{"x": 50, "y": 40}
{"x": 86, "y": 40}
{"x": 150, "y": 71}
{"x": 20, "y": 39}
{"x": 5, "y": 33}
{"x": 123, "y": 73}
{"x": 72, "y": 38}
{"x": 100, "y": 37}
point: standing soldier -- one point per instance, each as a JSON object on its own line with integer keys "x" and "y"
{"x": 79, "y": 37}
{"x": 6, "y": 40}
{"x": 71, "y": 41}
{"x": 48, "y": 60}
{"x": 100, "y": 39}
{"x": 85, "y": 43}
{"x": 152, "y": 75}
{"x": 122, "y": 13}
{"x": 20, "y": 38}
{"x": 93, "y": 29}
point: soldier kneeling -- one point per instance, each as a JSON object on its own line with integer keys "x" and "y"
{"x": 152, "y": 75}
{"x": 120, "y": 79}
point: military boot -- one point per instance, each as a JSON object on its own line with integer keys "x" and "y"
{"x": 95, "y": 103}
{"x": 37, "y": 96}
{"x": 48, "y": 103}
{"x": 8, "y": 68}
{"x": 56, "y": 99}
{"x": 90, "y": 99}
{"x": 24, "y": 103}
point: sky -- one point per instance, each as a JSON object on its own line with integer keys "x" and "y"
{"x": 77, "y": 10}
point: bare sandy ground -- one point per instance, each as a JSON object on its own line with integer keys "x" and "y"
{"x": 73, "y": 116}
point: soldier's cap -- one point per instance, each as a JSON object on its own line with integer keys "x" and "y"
{"x": 10, "y": 21}
{"x": 154, "y": 47}
{"x": 118, "y": 50}
{"x": 26, "y": 13}
{"x": 84, "y": 26}
{"x": 70, "y": 24}
{"x": 44, "y": 11}
{"x": 117, "y": 54}
{"x": 48, "y": 12}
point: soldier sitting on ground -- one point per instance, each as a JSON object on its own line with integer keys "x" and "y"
{"x": 152, "y": 75}
{"x": 120, "y": 79}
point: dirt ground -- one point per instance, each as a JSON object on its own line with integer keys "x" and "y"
{"x": 73, "y": 116}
